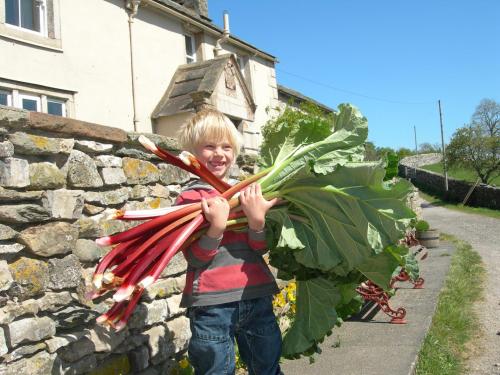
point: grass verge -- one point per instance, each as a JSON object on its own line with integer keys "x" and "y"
{"x": 459, "y": 207}
{"x": 454, "y": 323}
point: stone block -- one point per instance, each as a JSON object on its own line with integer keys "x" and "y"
{"x": 7, "y": 233}
{"x": 55, "y": 343}
{"x": 84, "y": 365}
{"x": 88, "y": 250}
{"x": 6, "y": 279}
{"x": 40, "y": 364}
{"x": 30, "y": 144}
{"x": 72, "y": 317}
{"x": 170, "y": 174}
{"x": 3, "y": 344}
{"x": 106, "y": 339}
{"x": 174, "y": 307}
{"x": 140, "y": 171}
{"x": 64, "y": 273}
{"x": 14, "y": 173}
{"x": 30, "y": 276}
{"x": 179, "y": 333}
{"x": 147, "y": 314}
{"x": 139, "y": 192}
{"x": 108, "y": 198}
{"x": 82, "y": 171}
{"x": 139, "y": 359}
{"x": 46, "y": 175}
{"x": 30, "y": 330}
{"x": 159, "y": 191}
{"x": 53, "y": 301}
{"x": 23, "y": 213}
{"x": 159, "y": 343}
{"x": 23, "y": 351}
{"x": 7, "y": 195}
{"x": 13, "y": 310}
{"x": 90, "y": 209}
{"x": 50, "y": 239}
{"x": 92, "y": 147}
{"x": 76, "y": 350}
{"x": 64, "y": 204}
{"x": 108, "y": 161}
{"x": 162, "y": 288}
{"x": 6, "y": 149}
{"x": 176, "y": 266}
{"x": 113, "y": 176}
{"x": 9, "y": 250}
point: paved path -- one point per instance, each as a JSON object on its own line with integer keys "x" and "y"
{"x": 373, "y": 346}
{"x": 483, "y": 234}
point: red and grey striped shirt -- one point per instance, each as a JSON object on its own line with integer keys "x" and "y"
{"x": 227, "y": 269}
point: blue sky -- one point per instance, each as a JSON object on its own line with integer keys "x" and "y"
{"x": 393, "y": 59}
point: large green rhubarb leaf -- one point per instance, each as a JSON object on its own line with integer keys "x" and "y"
{"x": 316, "y": 315}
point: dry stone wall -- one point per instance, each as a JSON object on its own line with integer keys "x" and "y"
{"x": 61, "y": 180}
{"x": 482, "y": 196}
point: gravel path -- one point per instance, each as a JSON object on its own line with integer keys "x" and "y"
{"x": 483, "y": 233}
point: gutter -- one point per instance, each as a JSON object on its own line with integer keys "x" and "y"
{"x": 210, "y": 29}
{"x": 132, "y": 7}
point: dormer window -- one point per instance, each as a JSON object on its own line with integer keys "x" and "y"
{"x": 190, "y": 49}
{"x": 27, "y": 14}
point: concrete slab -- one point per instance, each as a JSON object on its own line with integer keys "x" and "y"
{"x": 369, "y": 344}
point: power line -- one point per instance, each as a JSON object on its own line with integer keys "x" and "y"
{"x": 352, "y": 92}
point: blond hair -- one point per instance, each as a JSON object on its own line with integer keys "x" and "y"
{"x": 209, "y": 125}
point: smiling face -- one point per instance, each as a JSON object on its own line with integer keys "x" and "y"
{"x": 217, "y": 156}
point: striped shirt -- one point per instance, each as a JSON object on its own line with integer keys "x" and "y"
{"x": 227, "y": 269}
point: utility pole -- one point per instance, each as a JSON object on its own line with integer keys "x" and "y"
{"x": 416, "y": 150}
{"x": 443, "y": 148}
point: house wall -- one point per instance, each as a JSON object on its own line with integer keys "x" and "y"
{"x": 93, "y": 62}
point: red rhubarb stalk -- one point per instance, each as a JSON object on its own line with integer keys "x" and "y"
{"x": 190, "y": 164}
{"x": 128, "y": 311}
{"x": 188, "y": 229}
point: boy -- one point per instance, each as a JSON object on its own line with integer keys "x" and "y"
{"x": 229, "y": 287}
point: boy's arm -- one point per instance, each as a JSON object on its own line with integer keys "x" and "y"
{"x": 255, "y": 208}
{"x": 216, "y": 210}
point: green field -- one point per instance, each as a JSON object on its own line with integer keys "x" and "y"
{"x": 458, "y": 173}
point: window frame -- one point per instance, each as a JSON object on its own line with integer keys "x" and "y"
{"x": 18, "y": 99}
{"x": 58, "y": 101}
{"x": 193, "y": 47}
{"x": 42, "y": 17}
{"x": 49, "y": 39}
{"x": 9, "y": 96}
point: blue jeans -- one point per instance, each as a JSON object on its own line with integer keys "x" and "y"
{"x": 251, "y": 322}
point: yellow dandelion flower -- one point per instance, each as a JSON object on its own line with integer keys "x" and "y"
{"x": 183, "y": 363}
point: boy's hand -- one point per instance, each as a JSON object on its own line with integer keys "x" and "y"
{"x": 255, "y": 206}
{"x": 216, "y": 211}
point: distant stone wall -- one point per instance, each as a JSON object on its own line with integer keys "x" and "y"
{"x": 482, "y": 196}
{"x": 60, "y": 182}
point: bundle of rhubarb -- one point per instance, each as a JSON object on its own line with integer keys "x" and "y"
{"x": 338, "y": 225}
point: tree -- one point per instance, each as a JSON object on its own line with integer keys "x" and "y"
{"x": 370, "y": 151}
{"x": 427, "y": 148}
{"x": 477, "y": 145}
{"x": 403, "y": 152}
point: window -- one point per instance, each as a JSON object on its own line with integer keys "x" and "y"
{"x": 5, "y": 98}
{"x": 56, "y": 107}
{"x": 30, "y": 102}
{"x": 190, "y": 49}
{"x": 34, "y": 101}
{"x": 27, "y": 14}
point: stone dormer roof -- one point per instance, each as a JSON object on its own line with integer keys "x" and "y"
{"x": 286, "y": 94}
{"x": 193, "y": 84}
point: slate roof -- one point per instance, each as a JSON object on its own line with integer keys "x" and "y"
{"x": 285, "y": 94}
{"x": 195, "y": 78}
